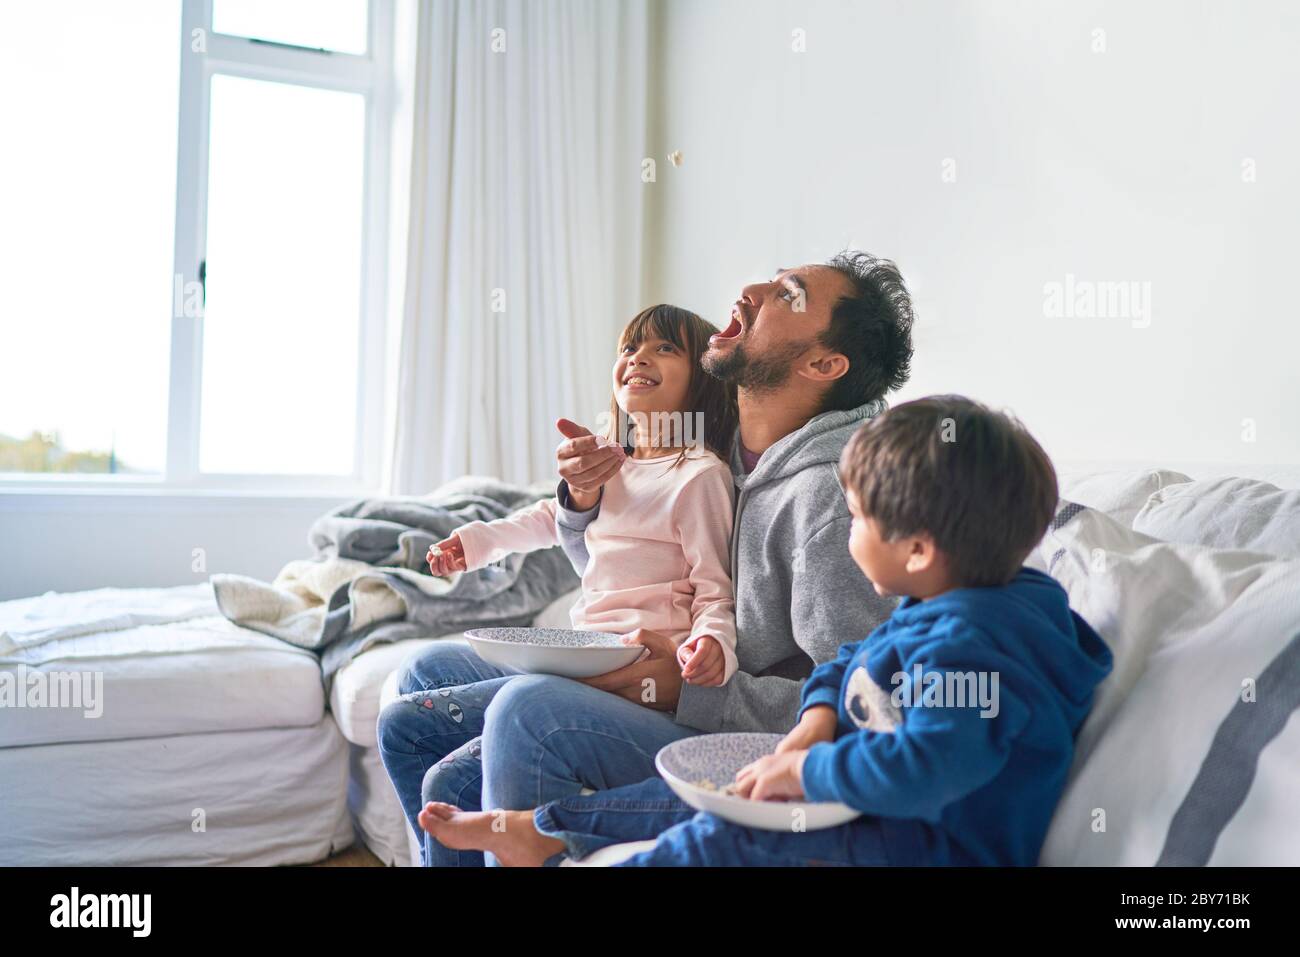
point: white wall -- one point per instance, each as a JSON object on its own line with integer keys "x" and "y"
{"x": 68, "y": 542}
{"x": 1119, "y": 165}
{"x": 1122, "y": 165}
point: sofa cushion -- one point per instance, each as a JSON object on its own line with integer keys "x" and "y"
{"x": 1225, "y": 513}
{"x": 1189, "y": 755}
{"x": 1119, "y": 493}
{"x": 354, "y": 697}
{"x": 198, "y": 676}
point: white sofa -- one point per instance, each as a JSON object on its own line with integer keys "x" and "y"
{"x": 1163, "y": 498}
{"x": 212, "y": 744}
{"x": 215, "y": 745}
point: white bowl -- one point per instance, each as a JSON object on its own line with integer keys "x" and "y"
{"x": 715, "y": 758}
{"x": 553, "y": 651}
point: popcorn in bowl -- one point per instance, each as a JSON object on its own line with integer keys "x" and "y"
{"x": 708, "y": 785}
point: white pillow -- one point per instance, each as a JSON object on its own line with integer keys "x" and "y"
{"x": 1185, "y": 770}
{"x": 1120, "y": 495}
{"x": 1225, "y": 513}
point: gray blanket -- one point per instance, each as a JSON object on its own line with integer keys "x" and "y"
{"x": 368, "y": 581}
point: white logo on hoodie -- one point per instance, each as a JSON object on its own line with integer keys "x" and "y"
{"x": 869, "y": 705}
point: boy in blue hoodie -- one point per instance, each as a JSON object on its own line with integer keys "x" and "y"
{"x": 950, "y": 727}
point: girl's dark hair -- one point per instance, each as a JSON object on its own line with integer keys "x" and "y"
{"x": 714, "y": 400}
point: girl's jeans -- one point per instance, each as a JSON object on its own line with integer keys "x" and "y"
{"x": 473, "y": 735}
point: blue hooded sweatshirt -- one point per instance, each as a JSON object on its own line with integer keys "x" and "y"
{"x": 957, "y": 719}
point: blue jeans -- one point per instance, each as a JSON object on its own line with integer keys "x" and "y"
{"x": 636, "y": 812}
{"x": 473, "y": 735}
{"x": 685, "y": 837}
{"x": 431, "y": 734}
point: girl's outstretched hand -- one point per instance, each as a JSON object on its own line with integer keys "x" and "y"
{"x": 447, "y": 556}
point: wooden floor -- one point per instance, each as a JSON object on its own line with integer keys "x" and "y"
{"x": 358, "y": 855}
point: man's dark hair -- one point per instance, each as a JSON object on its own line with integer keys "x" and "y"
{"x": 872, "y": 327}
{"x": 973, "y": 479}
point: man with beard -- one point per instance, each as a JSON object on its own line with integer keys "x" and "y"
{"x": 812, "y": 352}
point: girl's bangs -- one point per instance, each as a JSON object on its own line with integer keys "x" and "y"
{"x": 657, "y": 322}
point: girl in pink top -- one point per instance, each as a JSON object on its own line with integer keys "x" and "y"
{"x": 659, "y": 551}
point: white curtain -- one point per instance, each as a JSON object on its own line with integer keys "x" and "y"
{"x": 526, "y": 191}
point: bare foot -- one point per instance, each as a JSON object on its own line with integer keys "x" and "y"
{"x": 509, "y": 835}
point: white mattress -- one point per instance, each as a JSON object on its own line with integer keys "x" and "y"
{"x": 275, "y": 796}
{"x": 185, "y": 677}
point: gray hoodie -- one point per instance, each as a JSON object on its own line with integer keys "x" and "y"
{"x": 799, "y": 595}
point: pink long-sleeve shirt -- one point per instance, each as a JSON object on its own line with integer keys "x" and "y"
{"x": 658, "y": 552}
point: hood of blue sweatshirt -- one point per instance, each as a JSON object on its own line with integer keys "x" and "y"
{"x": 1030, "y": 619}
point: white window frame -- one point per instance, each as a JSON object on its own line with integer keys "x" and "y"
{"x": 371, "y": 76}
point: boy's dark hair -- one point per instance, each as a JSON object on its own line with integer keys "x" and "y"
{"x": 973, "y": 479}
{"x": 872, "y": 327}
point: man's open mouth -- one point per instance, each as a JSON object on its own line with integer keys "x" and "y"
{"x": 731, "y": 332}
